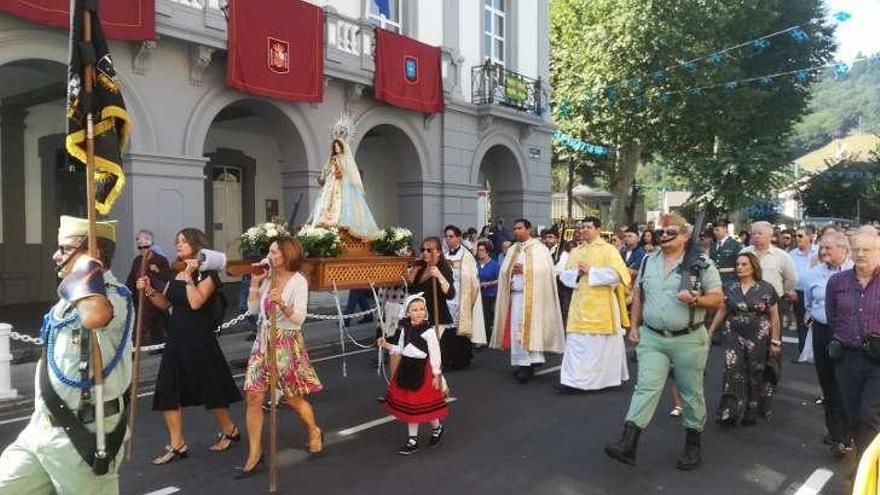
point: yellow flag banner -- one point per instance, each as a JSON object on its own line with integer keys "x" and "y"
{"x": 111, "y": 120}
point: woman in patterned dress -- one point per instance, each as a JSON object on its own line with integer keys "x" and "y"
{"x": 750, "y": 306}
{"x": 286, "y": 292}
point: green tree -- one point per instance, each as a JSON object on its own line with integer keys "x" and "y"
{"x": 604, "y": 50}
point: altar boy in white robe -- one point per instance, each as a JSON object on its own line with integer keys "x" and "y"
{"x": 595, "y": 355}
{"x": 527, "y": 316}
{"x": 466, "y": 307}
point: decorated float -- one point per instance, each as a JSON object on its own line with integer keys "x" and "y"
{"x": 342, "y": 245}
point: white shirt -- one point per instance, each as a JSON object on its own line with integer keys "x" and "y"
{"x": 412, "y": 351}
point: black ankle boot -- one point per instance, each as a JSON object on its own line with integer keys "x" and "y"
{"x": 690, "y": 459}
{"x": 625, "y": 449}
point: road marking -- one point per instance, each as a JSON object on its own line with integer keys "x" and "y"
{"x": 374, "y": 423}
{"x": 168, "y": 490}
{"x": 236, "y": 376}
{"x": 790, "y": 340}
{"x": 815, "y": 482}
{"x": 548, "y": 370}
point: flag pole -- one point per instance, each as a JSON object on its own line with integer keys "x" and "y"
{"x": 97, "y": 361}
{"x": 273, "y": 384}
{"x": 135, "y": 372}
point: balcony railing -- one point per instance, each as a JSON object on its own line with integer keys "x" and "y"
{"x": 492, "y": 83}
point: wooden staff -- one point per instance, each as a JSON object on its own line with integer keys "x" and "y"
{"x": 135, "y": 372}
{"x": 273, "y": 407}
{"x": 436, "y": 308}
{"x": 97, "y": 361}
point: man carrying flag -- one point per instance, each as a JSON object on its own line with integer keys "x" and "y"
{"x": 72, "y": 444}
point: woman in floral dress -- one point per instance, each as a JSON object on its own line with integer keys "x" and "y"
{"x": 753, "y": 346}
{"x": 284, "y": 291}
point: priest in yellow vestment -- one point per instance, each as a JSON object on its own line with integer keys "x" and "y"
{"x": 595, "y": 355}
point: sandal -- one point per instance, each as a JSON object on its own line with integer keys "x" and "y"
{"x": 171, "y": 454}
{"x": 225, "y": 441}
{"x": 316, "y": 443}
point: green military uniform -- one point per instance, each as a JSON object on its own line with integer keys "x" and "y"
{"x": 724, "y": 257}
{"x": 658, "y": 352}
{"x": 43, "y": 459}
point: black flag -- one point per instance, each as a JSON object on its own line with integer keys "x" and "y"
{"x": 111, "y": 120}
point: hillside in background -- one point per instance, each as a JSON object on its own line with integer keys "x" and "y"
{"x": 841, "y": 107}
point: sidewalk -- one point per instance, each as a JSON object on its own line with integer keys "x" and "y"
{"x": 321, "y": 337}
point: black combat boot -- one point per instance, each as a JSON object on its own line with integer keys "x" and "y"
{"x": 624, "y": 450}
{"x": 691, "y": 457}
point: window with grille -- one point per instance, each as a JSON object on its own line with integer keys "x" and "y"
{"x": 384, "y": 14}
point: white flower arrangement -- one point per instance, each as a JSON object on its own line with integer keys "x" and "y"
{"x": 320, "y": 242}
{"x": 256, "y": 240}
{"x": 394, "y": 241}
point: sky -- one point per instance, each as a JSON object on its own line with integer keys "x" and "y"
{"x": 858, "y": 34}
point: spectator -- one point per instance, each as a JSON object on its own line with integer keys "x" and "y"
{"x": 489, "y": 269}
{"x": 802, "y": 254}
{"x": 834, "y": 251}
{"x": 776, "y": 266}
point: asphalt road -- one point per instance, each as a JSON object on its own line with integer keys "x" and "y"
{"x": 501, "y": 437}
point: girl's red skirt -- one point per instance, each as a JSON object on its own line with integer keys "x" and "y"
{"x": 416, "y": 406}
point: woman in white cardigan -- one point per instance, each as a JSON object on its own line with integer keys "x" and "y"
{"x": 286, "y": 292}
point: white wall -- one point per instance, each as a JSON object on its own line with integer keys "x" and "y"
{"x": 41, "y": 120}
{"x": 470, "y": 33}
{"x": 350, "y": 8}
{"x": 526, "y": 40}
{"x": 431, "y": 21}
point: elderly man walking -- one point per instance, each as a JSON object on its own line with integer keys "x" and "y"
{"x": 776, "y": 265}
{"x": 853, "y": 309}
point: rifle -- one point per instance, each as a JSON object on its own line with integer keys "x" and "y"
{"x": 694, "y": 261}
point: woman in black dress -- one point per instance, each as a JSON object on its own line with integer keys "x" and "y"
{"x": 421, "y": 279}
{"x": 193, "y": 370}
{"x": 753, "y": 346}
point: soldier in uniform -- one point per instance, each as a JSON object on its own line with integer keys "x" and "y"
{"x": 723, "y": 251}
{"x": 667, "y": 323}
{"x": 58, "y": 449}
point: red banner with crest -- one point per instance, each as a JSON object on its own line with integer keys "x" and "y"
{"x": 276, "y": 49}
{"x": 132, "y": 20}
{"x": 408, "y": 73}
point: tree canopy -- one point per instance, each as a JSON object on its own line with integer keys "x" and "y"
{"x": 725, "y": 141}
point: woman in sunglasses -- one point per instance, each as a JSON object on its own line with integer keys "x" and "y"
{"x": 433, "y": 274}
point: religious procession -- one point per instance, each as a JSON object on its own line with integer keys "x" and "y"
{"x": 412, "y": 246}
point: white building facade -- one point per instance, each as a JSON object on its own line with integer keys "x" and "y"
{"x": 208, "y": 156}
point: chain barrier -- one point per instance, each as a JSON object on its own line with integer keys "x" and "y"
{"x": 26, "y": 338}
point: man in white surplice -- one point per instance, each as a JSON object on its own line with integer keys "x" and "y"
{"x": 595, "y": 355}
{"x": 466, "y": 307}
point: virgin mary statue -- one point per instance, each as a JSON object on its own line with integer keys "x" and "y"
{"x": 342, "y": 203}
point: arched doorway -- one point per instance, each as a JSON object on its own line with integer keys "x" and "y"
{"x": 392, "y": 174}
{"x": 500, "y": 193}
{"x": 253, "y": 149}
{"x": 37, "y": 181}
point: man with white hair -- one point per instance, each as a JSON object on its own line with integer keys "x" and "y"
{"x": 776, "y": 265}
{"x": 853, "y": 310}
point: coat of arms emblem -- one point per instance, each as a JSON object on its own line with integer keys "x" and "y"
{"x": 411, "y": 69}
{"x": 279, "y": 56}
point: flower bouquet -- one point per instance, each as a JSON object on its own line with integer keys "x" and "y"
{"x": 393, "y": 242}
{"x": 318, "y": 242}
{"x": 256, "y": 240}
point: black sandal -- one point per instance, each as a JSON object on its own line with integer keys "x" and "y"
{"x": 234, "y": 437}
{"x": 171, "y": 454}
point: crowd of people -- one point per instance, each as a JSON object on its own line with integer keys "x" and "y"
{"x": 525, "y": 292}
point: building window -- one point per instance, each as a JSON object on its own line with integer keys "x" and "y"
{"x": 384, "y": 14}
{"x": 493, "y": 30}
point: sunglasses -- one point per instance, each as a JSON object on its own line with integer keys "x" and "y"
{"x": 670, "y": 232}
{"x": 427, "y": 250}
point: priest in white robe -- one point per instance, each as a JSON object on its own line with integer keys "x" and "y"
{"x": 467, "y": 305}
{"x": 527, "y": 316}
{"x": 595, "y": 354}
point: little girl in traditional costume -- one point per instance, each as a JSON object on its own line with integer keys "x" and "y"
{"x": 415, "y": 394}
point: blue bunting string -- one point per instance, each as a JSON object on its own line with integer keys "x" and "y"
{"x": 581, "y": 146}
{"x": 718, "y": 57}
